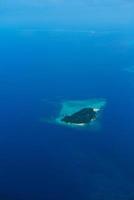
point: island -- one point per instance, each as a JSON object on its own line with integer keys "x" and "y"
{"x": 80, "y": 113}
{"x": 84, "y": 113}
{"x": 82, "y": 117}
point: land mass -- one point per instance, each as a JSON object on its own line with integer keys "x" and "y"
{"x": 81, "y": 117}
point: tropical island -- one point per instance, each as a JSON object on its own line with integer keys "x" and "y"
{"x": 80, "y": 112}
{"x": 82, "y": 117}
{"x": 75, "y": 113}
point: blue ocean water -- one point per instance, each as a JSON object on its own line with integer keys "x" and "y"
{"x": 45, "y": 161}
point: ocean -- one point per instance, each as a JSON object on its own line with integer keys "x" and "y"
{"x": 45, "y": 161}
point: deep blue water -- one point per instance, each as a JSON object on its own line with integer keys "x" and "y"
{"x": 41, "y": 161}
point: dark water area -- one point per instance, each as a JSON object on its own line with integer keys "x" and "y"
{"x": 46, "y": 161}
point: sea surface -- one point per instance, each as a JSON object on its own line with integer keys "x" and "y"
{"x": 44, "y": 161}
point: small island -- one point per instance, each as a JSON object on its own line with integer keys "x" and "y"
{"x": 82, "y": 117}
{"x": 75, "y": 113}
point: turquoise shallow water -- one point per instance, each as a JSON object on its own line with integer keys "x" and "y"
{"x": 46, "y": 161}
